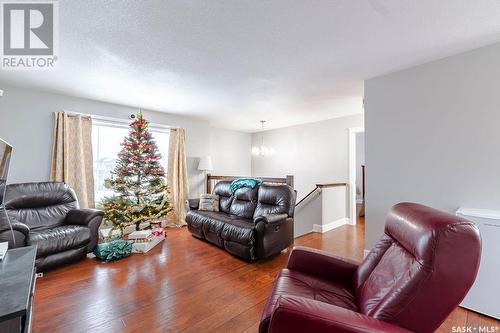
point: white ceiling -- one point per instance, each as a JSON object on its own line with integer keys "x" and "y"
{"x": 236, "y": 62}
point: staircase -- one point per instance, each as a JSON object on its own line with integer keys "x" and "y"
{"x": 322, "y": 209}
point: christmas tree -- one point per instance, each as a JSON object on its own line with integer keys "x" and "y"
{"x": 138, "y": 180}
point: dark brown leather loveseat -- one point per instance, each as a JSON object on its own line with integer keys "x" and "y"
{"x": 251, "y": 223}
{"x": 47, "y": 215}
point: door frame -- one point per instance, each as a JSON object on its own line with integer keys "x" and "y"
{"x": 352, "y": 172}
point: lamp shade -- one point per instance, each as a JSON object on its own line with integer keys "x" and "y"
{"x": 205, "y": 163}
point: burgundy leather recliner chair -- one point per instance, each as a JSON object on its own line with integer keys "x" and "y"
{"x": 411, "y": 280}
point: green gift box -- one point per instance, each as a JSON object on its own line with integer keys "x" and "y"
{"x": 113, "y": 250}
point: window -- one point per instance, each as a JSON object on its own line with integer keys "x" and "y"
{"x": 106, "y": 139}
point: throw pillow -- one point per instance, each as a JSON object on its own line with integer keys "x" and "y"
{"x": 209, "y": 202}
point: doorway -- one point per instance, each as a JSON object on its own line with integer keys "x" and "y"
{"x": 356, "y": 173}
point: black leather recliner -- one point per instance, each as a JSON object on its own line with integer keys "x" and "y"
{"x": 251, "y": 223}
{"x": 47, "y": 215}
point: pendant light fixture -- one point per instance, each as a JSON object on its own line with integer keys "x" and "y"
{"x": 262, "y": 150}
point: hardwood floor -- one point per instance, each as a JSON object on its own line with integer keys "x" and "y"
{"x": 185, "y": 285}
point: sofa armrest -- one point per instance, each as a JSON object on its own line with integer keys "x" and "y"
{"x": 15, "y": 238}
{"x": 322, "y": 264}
{"x": 21, "y": 227}
{"x": 83, "y": 216}
{"x": 297, "y": 314}
{"x": 12, "y": 231}
{"x": 270, "y": 218}
{"x": 192, "y": 204}
{"x": 90, "y": 218}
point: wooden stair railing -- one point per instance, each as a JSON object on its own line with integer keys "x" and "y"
{"x": 317, "y": 187}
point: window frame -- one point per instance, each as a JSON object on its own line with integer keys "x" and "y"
{"x": 123, "y": 124}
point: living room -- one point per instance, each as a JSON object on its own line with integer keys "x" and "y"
{"x": 245, "y": 166}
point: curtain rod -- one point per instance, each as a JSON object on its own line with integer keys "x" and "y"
{"x": 116, "y": 120}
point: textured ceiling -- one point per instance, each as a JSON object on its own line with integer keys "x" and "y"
{"x": 235, "y": 62}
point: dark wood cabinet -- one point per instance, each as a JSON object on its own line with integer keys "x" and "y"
{"x": 17, "y": 286}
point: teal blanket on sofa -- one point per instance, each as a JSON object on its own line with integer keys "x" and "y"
{"x": 244, "y": 182}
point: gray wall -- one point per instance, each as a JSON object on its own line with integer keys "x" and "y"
{"x": 230, "y": 152}
{"x": 432, "y": 136}
{"x": 314, "y": 153}
{"x": 26, "y": 122}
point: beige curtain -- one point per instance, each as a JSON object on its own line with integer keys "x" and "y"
{"x": 72, "y": 160}
{"x": 177, "y": 173}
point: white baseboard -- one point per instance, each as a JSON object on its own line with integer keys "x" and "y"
{"x": 330, "y": 226}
